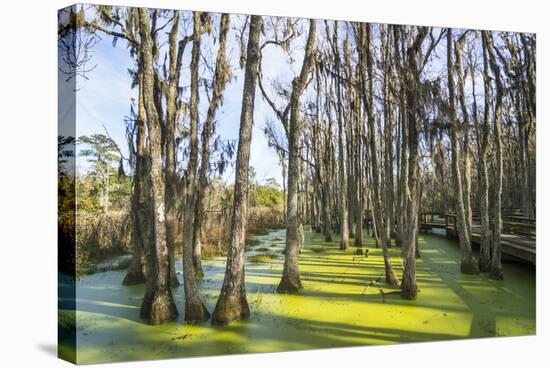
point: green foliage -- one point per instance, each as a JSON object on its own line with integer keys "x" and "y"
{"x": 66, "y": 193}
{"x": 267, "y": 195}
{"x": 101, "y": 186}
{"x": 101, "y": 152}
{"x": 89, "y": 192}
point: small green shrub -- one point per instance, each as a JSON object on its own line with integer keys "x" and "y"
{"x": 262, "y": 258}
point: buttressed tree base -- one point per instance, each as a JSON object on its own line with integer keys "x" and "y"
{"x": 234, "y": 184}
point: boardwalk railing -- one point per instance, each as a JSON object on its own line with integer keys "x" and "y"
{"x": 518, "y": 237}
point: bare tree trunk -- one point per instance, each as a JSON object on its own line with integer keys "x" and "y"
{"x": 195, "y": 311}
{"x": 342, "y": 180}
{"x": 402, "y": 156}
{"x": 368, "y": 189}
{"x": 403, "y": 179}
{"x": 523, "y": 159}
{"x": 358, "y": 242}
{"x": 388, "y": 143}
{"x": 141, "y": 206}
{"x": 319, "y": 155}
{"x": 354, "y": 169}
{"x": 158, "y": 304}
{"x": 327, "y": 168}
{"x": 232, "y": 304}
{"x": 327, "y": 224}
{"x": 365, "y": 57}
{"x": 191, "y": 179}
{"x": 170, "y": 150}
{"x": 467, "y": 187}
{"x": 409, "y": 289}
{"x": 496, "y": 263}
{"x": 290, "y": 282}
{"x": 466, "y": 129}
{"x": 483, "y": 177}
{"x": 525, "y": 106}
{"x": 221, "y": 76}
{"x": 468, "y": 264}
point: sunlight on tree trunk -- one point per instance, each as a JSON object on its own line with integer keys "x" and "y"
{"x": 232, "y": 304}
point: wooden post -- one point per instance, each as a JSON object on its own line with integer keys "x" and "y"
{"x": 447, "y": 225}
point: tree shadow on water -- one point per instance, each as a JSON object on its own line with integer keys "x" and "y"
{"x": 287, "y": 322}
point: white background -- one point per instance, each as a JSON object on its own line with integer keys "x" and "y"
{"x": 28, "y": 129}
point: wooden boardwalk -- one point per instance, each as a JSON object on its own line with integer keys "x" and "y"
{"x": 518, "y": 237}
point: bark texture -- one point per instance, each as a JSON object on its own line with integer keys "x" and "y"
{"x": 141, "y": 209}
{"x": 192, "y": 165}
{"x": 409, "y": 289}
{"x": 221, "y": 77}
{"x": 365, "y": 56}
{"x": 468, "y": 263}
{"x": 232, "y": 304}
{"x": 158, "y": 304}
{"x": 290, "y": 282}
{"x": 195, "y": 310}
{"x": 170, "y": 148}
{"x": 483, "y": 186}
{"x": 496, "y": 272}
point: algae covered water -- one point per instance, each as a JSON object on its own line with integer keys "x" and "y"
{"x": 344, "y": 303}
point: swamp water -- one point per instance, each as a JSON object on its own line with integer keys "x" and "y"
{"x": 335, "y": 309}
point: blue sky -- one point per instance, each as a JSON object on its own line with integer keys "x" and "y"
{"x": 104, "y": 98}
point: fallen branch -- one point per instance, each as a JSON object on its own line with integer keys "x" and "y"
{"x": 372, "y": 283}
{"x": 383, "y": 294}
